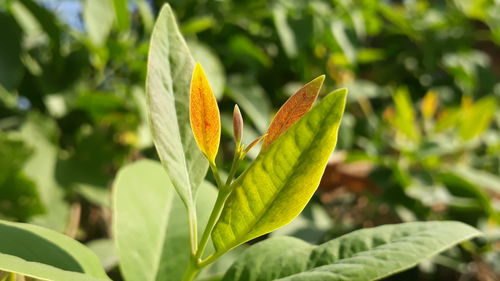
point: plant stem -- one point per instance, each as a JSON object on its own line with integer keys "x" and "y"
{"x": 234, "y": 166}
{"x": 193, "y": 229}
{"x": 224, "y": 191}
{"x": 216, "y": 175}
{"x": 192, "y": 270}
{"x": 214, "y": 216}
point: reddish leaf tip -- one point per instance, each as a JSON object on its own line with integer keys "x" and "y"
{"x": 293, "y": 109}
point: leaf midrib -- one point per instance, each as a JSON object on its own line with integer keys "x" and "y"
{"x": 191, "y": 60}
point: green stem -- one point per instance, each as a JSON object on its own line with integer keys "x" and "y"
{"x": 224, "y": 191}
{"x": 214, "y": 216}
{"x": 193, "y": 229}
{"x": 192, "y": 270}
{"x": 216, "y": 175}
{"x": 234, "y": 165}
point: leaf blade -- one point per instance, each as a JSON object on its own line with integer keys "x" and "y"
{"x": 151, "y": 235}
{"x": 170, "y": 66}
{"x": 348, "y": 257}
{"x": 36, "y": 251}
{"x": 98, "y": 17}
{"x": 204, "y": 114}
{"x": 293, "y": 109}
{"x": 287, "y": 173}
{"x": 41, "y": 271}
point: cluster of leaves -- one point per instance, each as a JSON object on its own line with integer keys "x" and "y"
{"x": 73, "y": 108}
{"x": 152, "y": 238}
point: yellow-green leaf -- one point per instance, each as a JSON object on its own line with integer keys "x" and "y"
{"x": 405, "y": 115}
{"x": 475, "y": 119}
{"x": 293, "y": 109}
{"x": 280, "y": 182}
{"x": 204, "y": 114}
{"x": 429, "y": 104}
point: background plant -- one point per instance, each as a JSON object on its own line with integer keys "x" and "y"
{"x": 70, "y": 88}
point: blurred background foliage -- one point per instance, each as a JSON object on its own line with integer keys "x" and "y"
{"x": 420, "y": 139}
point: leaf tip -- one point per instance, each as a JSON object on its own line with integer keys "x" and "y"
{"x": 319, "y": 80}
{"x": 293, "y": 109}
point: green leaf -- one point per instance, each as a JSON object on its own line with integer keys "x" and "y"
{"x": 285, "y": 32}
{"x": 243, "y": 47}
{"x": 104, "y": 249}
{"x": 150, "y": 223}
{"x": 339, "y": 32}
{"x": 280, "y": 182}
{"x": 479, "y": 177}
{"x": 477, "y": 118}
{"x": 19, "y": 198}
{"x": 98, "y": 16}
{"x": 405, "y": 118}
{"x": 13, "y": 154}
{"x": 41, "y": 134}
{"x": 47, "y": 20}
{"x": 122, "y": 14}
{"x": 363, "y": 255}
{"x": 44, "y": 254}
{"x": 11, "y": 67}
{"x": 197, "y": 24}
{"x": 170, "y": 66}
{"x": 147, "y": 17}
{"x": 468, "y": 195}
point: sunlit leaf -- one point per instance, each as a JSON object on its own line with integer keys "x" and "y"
{"x": 204, "y": 114}
{"x": 363, "y": 255}
{"x": 280, "y": 182}
{"x": 285, "y": 31}
{"x": 294, "y": 108}
{"x": 122, "y": 14}
{"x": 405, "y": 115}
{"x": 429, "y": 104}
{"x": 170, "y": 66}
{"x": 476, "y": 118}
{"x": 99, "y": 16}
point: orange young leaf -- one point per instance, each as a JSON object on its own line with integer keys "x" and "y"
{"x": 204, "y": 114}
{"x": 293, "y": 109}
